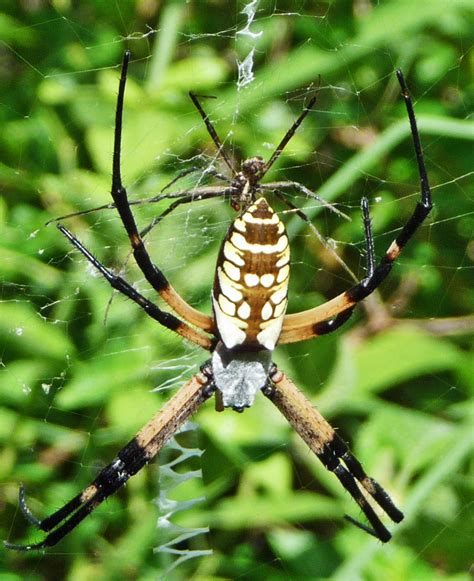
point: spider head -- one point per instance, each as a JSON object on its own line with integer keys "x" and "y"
{"x": 253, "y": 169}
{"x": 245, "y": 182}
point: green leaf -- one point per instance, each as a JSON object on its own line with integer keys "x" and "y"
{"x": 25, "y": 330}
{"x": 401, "y": 354}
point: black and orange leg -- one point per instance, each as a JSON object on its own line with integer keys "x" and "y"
{"x": 132, "y": 458}
{"x": 303, "y": 325}
{"x": 332, "y": 452}
{"x": 119, "y": 194}
{"x": 168, "y": 320}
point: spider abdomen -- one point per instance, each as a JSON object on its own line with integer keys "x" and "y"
{"x": 251, "y": 284}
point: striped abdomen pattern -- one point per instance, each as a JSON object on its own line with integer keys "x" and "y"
{"x": 251, "y": 284}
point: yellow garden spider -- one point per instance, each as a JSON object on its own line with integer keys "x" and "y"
{"x": 249, "y": 300}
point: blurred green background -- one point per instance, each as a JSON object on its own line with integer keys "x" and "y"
{"x": 78, "y": 366}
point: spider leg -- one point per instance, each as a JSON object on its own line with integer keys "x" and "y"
{"x": 330, "y": 449}
{"x": 303, "y": 325}
{"x": 29, "y": 516}
{"x": 132, "y": 458}
{"x": 210, "y": 171}
{"x": 291, "y": 333}
{"x": 191, "y": 197}
{"x": 287, "y": 185}
{"x": 188, "y": 198}
{"x": 119, "y": 194}
{"x": 288, "y": 135}
{"x": 332, "y": 325}
{"x": 197, "y": 193}
{"x": 369, "y": 484}
{"x": 168, "y": 320}
{"x": 212, "y": 132}
{"x": 185, "y": 198}
{"x": 317, "y": 233}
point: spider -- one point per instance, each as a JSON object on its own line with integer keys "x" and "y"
{"x": 249, "y": 300}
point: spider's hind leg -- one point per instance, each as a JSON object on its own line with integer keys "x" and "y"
{"x": 29, "y": 516}
{"x": 139, "y": 451}
{"x": 369, "y": 484}
{"x": 333, "y": 453}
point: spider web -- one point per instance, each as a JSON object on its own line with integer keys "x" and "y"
{"x": 75, "y": 389}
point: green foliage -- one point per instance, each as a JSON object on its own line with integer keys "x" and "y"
{"x": 397, "y": 381}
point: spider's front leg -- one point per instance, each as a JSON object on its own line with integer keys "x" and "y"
{"x": 331, "y": 450}
{"x": 305, "y": 325}
{"x": 119, "y": 194}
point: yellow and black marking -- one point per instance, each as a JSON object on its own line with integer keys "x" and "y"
{"x": 251, "y": 284}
